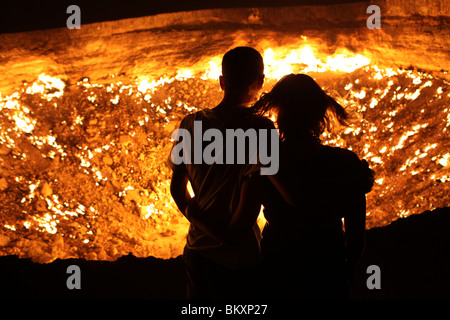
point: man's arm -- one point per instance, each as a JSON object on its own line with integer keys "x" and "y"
{"x": 179, "y": 191}
{"x": 242, "y": 220}
{"x": 281, "y": 184}
{"x": 181, "y": 196}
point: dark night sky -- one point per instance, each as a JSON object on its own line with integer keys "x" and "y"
{"x": 17, "y": 16}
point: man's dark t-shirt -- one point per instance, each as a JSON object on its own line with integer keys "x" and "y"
{"x": 217, "y": 187}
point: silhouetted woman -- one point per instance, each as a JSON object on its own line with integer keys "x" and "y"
{"x": 306, "y": 253}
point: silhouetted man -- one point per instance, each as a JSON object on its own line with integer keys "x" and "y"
{"x": 217, "y": 268}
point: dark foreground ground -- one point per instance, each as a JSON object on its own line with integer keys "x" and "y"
{"x": 413, "y": 255}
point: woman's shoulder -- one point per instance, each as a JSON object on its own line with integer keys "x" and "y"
{"x": 343, "y": 159}
{"x": 351, "y": 166}
{"x": 345, "y": 155}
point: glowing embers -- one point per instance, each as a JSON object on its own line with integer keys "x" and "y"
{"x": 279, "y": 61}
{"x": 49, "y": 209}
{"x": 47, "y": 86}
{"x": 148, "y": 210}
{"x": 407, "y": 134}
{"x": 104, "y": 146}
{"x": 14, "y": 111}
{"x": 444, "y": 160}
{"x": 45, "y": 223}
{"x": 23, "y": 122}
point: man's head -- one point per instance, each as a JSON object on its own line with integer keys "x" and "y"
{"x": 242, "y": 71}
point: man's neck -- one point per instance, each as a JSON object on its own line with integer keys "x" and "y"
{"x": 231, "y": 101}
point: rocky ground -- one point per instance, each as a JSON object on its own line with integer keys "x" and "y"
{"x": 83, "y": 169}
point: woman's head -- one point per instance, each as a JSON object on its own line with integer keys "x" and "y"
{"x": 302, "y": 108}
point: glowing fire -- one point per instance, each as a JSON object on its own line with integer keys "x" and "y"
{"x": 47, "y": 86}
{"x": 279, "y": 64}
{"x": 82, "y": 171}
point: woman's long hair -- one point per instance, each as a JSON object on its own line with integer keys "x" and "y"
{"x": 301, "y": 107}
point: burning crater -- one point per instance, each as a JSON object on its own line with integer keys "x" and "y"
{"x": 86, "y": 117}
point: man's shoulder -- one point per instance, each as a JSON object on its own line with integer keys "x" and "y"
{"x": 245, "y": 118}
{"x": 193, "y": 115}
{"x": 262, "y": 122}
{"x": 189, "y": 119}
